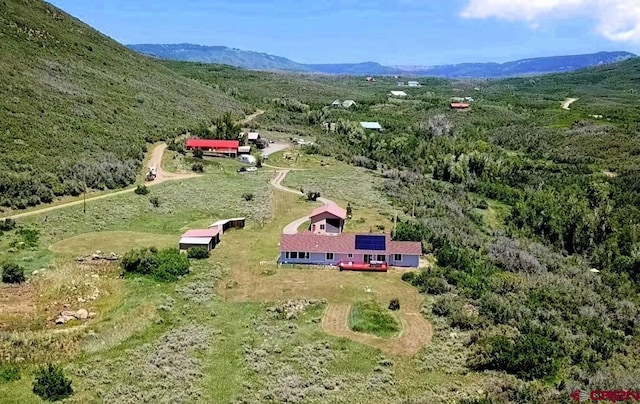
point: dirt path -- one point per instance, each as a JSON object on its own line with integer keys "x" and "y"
{"x": 276, "y": 182}
{"x": 155, "y": 161}
{"x": 251, "y": 117}
{"x": 567, "y": 103}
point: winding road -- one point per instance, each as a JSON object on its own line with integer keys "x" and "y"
{"x": 276, "y": 182}
{"x": 567, "y": 103}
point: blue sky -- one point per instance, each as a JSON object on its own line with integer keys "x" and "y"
{"x": 392, "y": 32}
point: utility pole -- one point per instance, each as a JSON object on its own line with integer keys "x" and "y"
{"x": 84, "y": 194}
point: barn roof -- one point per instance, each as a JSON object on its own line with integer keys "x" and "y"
{"x": 331, "y": 208}
{"x": 343, "y": 244}
{"x": 213, "y": 143}
{"x": 201, "y": 233}
{"x": 459, "y": 105}
{"x": 195, "y": 240}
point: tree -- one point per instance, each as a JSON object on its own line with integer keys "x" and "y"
{"x": 313, "y": 196}
{"x": 141, "y": 190}
{"x": 51, "y": 384}
{"x": 394, "y": 304}
{"x": 12, "y": 273}
{"x": 349, "y": 210}
{"x": 197, "y": 167}
{"x": 198, "y": 153}
{"x": 247, "y": 197}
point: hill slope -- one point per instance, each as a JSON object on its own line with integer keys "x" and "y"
{"x": 263, "y": 61}
{"x": 76, "y": 105}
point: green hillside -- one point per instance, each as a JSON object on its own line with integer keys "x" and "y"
{"x": 75, "y": 104}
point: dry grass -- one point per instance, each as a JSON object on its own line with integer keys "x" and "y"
{"x": 111, "y": 241}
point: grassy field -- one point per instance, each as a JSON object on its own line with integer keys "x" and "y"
{"x": 215, "y": 335}
{"x": 369, "y": 317}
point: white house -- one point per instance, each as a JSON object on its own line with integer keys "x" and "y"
{"x": 371, "y": 125}
{"x": 247, "y": 159}
{"x": 398, "y": 94}
{"x": 413, "y": 83}
{"x": 336, "y": 104}
{"x": 348, "y": 103}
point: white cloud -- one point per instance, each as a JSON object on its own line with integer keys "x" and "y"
{"x": 616, "y": 20}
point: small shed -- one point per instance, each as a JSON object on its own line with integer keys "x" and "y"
{"x": 226, "y": 224}
{"x": 398, "y": 94}
{"x": 244, "y": 149}
{"x": 208, "y": 238}
{"x": 247, "y": 159}
{"x": 348, "y": 103}
{"x": 336, "y": 104}
{"x": 253, "y": 137}
{"x": 371, "y": 125}
{"x": 187, "y": 243}
{"x": 413, "y": 83}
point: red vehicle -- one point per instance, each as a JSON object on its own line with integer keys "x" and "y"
{"x": 376, "y": 266}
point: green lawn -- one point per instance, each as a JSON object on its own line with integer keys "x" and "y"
{"x": 370, "y": 318}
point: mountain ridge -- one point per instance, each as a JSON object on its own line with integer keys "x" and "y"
{"x": 253, "y": 60}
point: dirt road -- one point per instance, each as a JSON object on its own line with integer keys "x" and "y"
{"x": 155, "y": 161}
{"x": 567, "y": 103}
{"x": 251, "y": 117}
{"x": 276, "y": 182}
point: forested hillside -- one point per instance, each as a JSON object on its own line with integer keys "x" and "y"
{"x": 75, "y": 105}
{"x": 530, "y": 210}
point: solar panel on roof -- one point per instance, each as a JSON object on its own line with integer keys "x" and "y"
{"x": 371, "y": 242}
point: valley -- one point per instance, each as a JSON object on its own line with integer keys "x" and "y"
{"x": 522, "y": 194}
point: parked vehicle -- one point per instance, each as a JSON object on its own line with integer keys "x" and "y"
{"x": 252, "y": 169}
{"x": 242, "y": 170}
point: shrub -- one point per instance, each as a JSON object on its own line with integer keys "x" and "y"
{"x": 29, "y": 237}
{"x": 164, "y": 265}
{"x": 198, "y": 253}
{"x": 482, "y": 205}
{"x": 197, "y": 167}
{"x": 12, "y": 273}
{"x": 155, "y": 201}
{"x": 9, "y": 374}
{"x": 408, "y": 277}
{"x": 394, "y": 304}
{"x": 313, "y": 196}
{"x": 7, "y": 224}
{"x": 197, "y": 153}
{"x": 247, "y": 197}
{"x": 142, "y": 190}
{"x": 349, "y": 210}
{"x": 51, "y": 384}
{"x": 369, "y": 317}
{"x": 445, "y": 305}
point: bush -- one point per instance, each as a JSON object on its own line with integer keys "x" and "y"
{"x": 445, "y": 305}
{"x": 12, "y": 273}
{"x": 482, "y": 205}
{"x": 29, "y": 237}
{"x": 197, "y": 153}
{"x": 197, "y": 167}
{"x": 313, "y": 196}
{"x": 247, "y": 197}
{"x": 9, "y": 374}
{"x": 51, "y": 384}
{"x": 155, "y": 201}
{"x": 142, "y": 190}
{"x": 394, "y": 304}
{"x": 164, "y": 265}
{"x": 198, "y": 253}
{"x": 7, "y": 224}
{"x": 408, "y": 277}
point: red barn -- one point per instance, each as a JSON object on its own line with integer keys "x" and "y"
{"x": 225, "y": 147}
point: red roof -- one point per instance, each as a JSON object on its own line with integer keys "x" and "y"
{"x": 212, "y": 232}
{"x": 460, "y": 105}
{"x": 332, "y": 208}
{"x": 213, "y": 144}
{"x": 344, "y": 243}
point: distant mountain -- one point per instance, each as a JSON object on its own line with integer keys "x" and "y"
{"x": 219, "y": 54}
{"x": 263, "y": 61}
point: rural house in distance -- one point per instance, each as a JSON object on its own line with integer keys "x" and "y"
{"x": 214, "y": 147}
{"x": 371, "y": 125}
{"x": 324, "y": 243}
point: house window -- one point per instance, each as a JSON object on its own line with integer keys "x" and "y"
{"x": 321, "y": 227}
{"x": 381, "y": 258}
{"x": 367, "y": 258}
{"x": 294, "y": 255}
{"x": 286, "y": 255}
{"x": 303, "y": 255}
{"x": 397, "y": 257}
{"x": 329, "y": 256}
{"x": 349, "y": 255}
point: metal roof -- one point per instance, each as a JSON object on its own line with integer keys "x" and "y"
{"x": 333, "y": 209}
{"x": 201, "y": 233}
{"x": 195, "y": 240}
{"x": 370, "y": 125}
{"x": 253, "y": 136}
{"x": 398, "y": 93}
{"x": 343, "y": 244}
{"x": 244, "y": 149}
{"x": 213, "y": 144}
{"x": 225, "y": 221}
